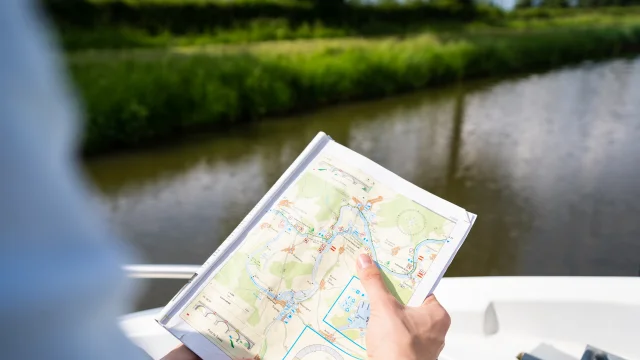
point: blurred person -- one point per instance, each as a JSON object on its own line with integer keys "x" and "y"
{"x": 62, "y": 287}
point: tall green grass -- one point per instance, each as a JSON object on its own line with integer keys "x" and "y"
{"x": 255, "y": 31}
{"x": 135, "y": 97}
{"x": 164, "y": 23}
{"x": 104, "y": 35}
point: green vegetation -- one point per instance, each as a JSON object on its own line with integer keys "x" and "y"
{"x": 109, "y": 24}
{"x": 162, "y": 23}
{"x": 411, "y": 218}
{"x": 234, "y": 276}
{"x": 579, "y": 3}
{"x": 137, "y": 96}
{"x": 153, "y": 69}
{"x": 341, "y": 320}
{"x": 290, "y": 271}
{"x": 254, "y": 31}
{"x": 312, "y": 187}
{"x": 268, "y": 29}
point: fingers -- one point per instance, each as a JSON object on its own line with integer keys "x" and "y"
{"x": 371, "y": 279}
{"x": 437, "y": 311}
{"x": 431, "y": 301}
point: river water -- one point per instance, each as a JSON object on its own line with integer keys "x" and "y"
{"x": 549, "y": 162}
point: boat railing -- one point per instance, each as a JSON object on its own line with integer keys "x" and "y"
{"x": 160, "y": 271}
{"x": 166, "y": 271}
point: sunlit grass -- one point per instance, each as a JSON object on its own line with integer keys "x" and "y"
{"x": 265, "y": 30}
{"x": 140, "y": 86}
{"x": 148, "y": 94}
{"x": 182, "y": 2}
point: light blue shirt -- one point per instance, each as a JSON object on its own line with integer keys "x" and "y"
{"x": 60, "y": 284}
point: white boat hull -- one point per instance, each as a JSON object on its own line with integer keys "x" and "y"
{"x": 500, "y": 317}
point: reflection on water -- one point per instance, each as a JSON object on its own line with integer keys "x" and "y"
{"x": 549, "y": 163}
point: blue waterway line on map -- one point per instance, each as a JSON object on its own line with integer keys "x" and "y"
{"x": 301, "y": 295}
{"x": 415, "y": 256}
{"x": 293, "y": 298}
{"x": 368, "y": 243}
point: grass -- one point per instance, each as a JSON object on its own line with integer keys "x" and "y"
{"x": 183, "y": 2}
{"x": 273, "y": 29}
{"x": 255, "y": 31}
{"x": 163, "y": 23}
{"x": 153, "y": 69}
{"x": 136, "y": 96}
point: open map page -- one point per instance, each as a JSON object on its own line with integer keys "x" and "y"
{"x": 290, "y": 291}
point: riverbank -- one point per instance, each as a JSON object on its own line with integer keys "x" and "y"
{"x": 533, "y": 167}
{"x": 138, "y": 96}
{"x": 161, "y": 24}
{"x": 108, "y": 24}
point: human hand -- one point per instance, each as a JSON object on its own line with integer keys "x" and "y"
{"x": 396, "y": 331}
{"x": 181, "y": 353}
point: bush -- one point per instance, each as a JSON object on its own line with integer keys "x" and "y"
{"x": 184, "y": 17}
{"x": 143, "y": 96}
{"x": 100, "y": 24}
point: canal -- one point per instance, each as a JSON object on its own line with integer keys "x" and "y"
{"x": 549, "y": 162}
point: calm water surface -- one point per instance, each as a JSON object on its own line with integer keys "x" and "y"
{"x": 549, "y": 162}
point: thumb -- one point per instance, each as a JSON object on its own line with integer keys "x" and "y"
{"x": 371, "y": 279}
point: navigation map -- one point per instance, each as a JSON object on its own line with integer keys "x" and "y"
{"x": 291, "y": 291}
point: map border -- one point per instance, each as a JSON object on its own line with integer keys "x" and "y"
{"x": 323, "y": 338}
{"x": 462, "y": 219}
{"x": 331, "y": 308}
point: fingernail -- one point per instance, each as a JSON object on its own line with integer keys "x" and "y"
{"x": 364, "y": 261}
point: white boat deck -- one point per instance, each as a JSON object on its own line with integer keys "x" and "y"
{"x": 552, "y": 317}
{"x": 495, "y": 318}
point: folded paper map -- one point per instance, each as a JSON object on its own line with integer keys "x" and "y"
{"x": 283, "y": 285}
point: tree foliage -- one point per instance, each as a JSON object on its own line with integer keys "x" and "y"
{"x": 521, "y": 4}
